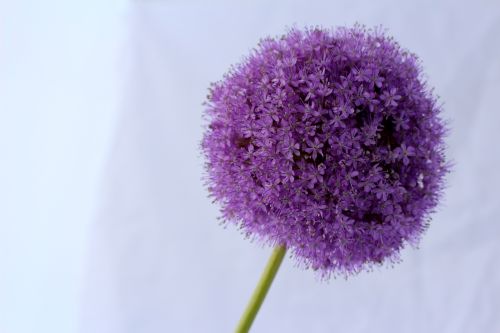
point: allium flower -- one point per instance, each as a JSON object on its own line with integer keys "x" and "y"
{"x": 328, "y": 142}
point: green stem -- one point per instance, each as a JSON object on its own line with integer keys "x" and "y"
{"x": 261, "y": 290}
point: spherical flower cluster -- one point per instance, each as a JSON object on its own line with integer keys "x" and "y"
{"x": 328, "y": 142}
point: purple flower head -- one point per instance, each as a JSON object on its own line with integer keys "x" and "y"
{"x": 329, "y": 142}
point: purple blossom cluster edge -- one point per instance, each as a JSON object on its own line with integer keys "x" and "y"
{"x": 330, "y": 142}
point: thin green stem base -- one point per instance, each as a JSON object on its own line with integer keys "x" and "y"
{"x": 261, "y": 290}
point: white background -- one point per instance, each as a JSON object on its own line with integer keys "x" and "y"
{"x": 59, "y": 92}
{"x": 106, "y": 227}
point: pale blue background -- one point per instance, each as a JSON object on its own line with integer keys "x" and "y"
{"x": 104, "y": 223}
{"x": 59, "y": 92}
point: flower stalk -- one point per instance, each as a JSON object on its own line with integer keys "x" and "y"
{"x": 261, "y": 290}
